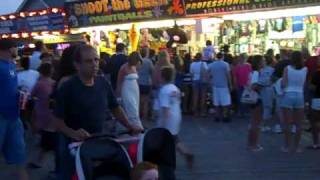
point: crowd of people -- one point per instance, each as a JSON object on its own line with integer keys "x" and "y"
{"x": 69, "y": 99}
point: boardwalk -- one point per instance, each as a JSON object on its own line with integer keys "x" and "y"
{"x": 221, "y": 154}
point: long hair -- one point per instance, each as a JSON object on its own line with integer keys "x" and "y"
{"x": 163, "y": 58}
{"x": 257, "y": 62}
{"x": 297, "y": 59}
{"x": 66, "y": 66}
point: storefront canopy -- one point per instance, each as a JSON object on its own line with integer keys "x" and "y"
{"x": 106, "y": 12}
{"x": 33, "y": 23}
{"x": 200, "y": 7}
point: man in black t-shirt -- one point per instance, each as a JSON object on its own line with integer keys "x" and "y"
{"x": 82, "y": 105}
{"x": 116, "y": 61}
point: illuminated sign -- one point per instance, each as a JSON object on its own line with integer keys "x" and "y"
{"x": 220, "y": 6}
{"x": 102, "y": 12}
{"x": 37, "y": 21}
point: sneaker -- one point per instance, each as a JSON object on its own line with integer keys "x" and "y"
{"x": 314, "y": 147}
{"x": 298, "y": 150}
{"x": 258, "y": 148}
{"x": 293, "y": 129}
{"x": 265, "y": 129}
{"x": 277, "y": 129}
{"x": 226, "y": 120}
{"x": 284, "y": 149}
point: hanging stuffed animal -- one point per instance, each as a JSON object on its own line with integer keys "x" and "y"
{"x": 176, "y": 35}
{"x": 134, "y": 37}
{"x": 145, "y": 38}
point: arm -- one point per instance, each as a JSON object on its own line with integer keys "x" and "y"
{"x": 118, "y": 112}
{"x": 120, "y": 116}
{"x": 284, "y": 83}
{"x": 121, "y": 75}
{"x": 229, "y": 77}
{"x": 165, "y": 112}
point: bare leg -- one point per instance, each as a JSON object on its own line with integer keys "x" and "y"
{"x": 195, "y": 100}
{"x": 181, "y": 148}
{"x": 226, "y": 113}
{"x": 298, "y": 115}
{"x": 145, "y": 107}
{"x": 287, "y": 131}
{"x": 253, "y": 136}
{"x": 315, "y": 125}
{"x": 203, "y": 99}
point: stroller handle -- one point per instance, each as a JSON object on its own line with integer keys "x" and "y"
{"x": 110, "y": 135}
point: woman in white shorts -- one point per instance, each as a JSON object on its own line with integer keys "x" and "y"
{"x": 293, "y": 82}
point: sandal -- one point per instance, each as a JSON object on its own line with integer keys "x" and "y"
{"x": 313, "y": 147}
{"x": 190, "y": 160}
{"x": 284, "y": 149}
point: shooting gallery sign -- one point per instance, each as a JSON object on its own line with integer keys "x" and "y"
{"x": 220, "y": 6}
{"x": 104, "y": 12}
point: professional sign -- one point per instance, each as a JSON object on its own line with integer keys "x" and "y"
{"x": 220, "y": 6}
{"x": 103, "y": 12}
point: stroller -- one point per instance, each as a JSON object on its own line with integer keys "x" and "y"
{"x": 106, "y": 157}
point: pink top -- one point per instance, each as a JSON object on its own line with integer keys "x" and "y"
{"x": 241, "y": 72}
{"x": 43, "y": 114}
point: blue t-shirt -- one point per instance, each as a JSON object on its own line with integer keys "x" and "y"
{"x": 9, "y": 102}
{"x": 219, "y": 71}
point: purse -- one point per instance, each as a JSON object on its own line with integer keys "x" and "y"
{"x": 249, "y": 96}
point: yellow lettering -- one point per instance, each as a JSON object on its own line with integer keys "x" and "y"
{"x": 127, "y": 4}
{"x": 98, "y": 6}
{"x": 138, "y": 4}
{"x": 84, "y": 8}
{"x": 194, "y": 5}
{"x": 199, "y": 6}
{"x": 105, "y": 5}
{"x": 77, "y": 9}
{"x": 91, "y": 8}
{"x": 209, "y": 4}
{"x": 188, "y": 6}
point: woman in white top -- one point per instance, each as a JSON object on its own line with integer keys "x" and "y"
{"x": 128, "y": 89}
{"x": 294, "y": 77}
{"x": 254, "y": 126}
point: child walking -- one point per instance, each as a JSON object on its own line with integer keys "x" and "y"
{"x": 170, "y": 111}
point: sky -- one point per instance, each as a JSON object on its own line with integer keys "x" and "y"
{"x": 9, "y": 6}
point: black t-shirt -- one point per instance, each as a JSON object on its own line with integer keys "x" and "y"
{"x": 316, "y": 82}
{"x": 116, "y": 61}
{"x": 83, "y": 106}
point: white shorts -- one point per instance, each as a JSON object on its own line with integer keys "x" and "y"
{"x": 221, "y": 96}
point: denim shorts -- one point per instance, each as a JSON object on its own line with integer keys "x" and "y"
{"x": 292, "y": 100}
{"x": 12, "y": 143}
